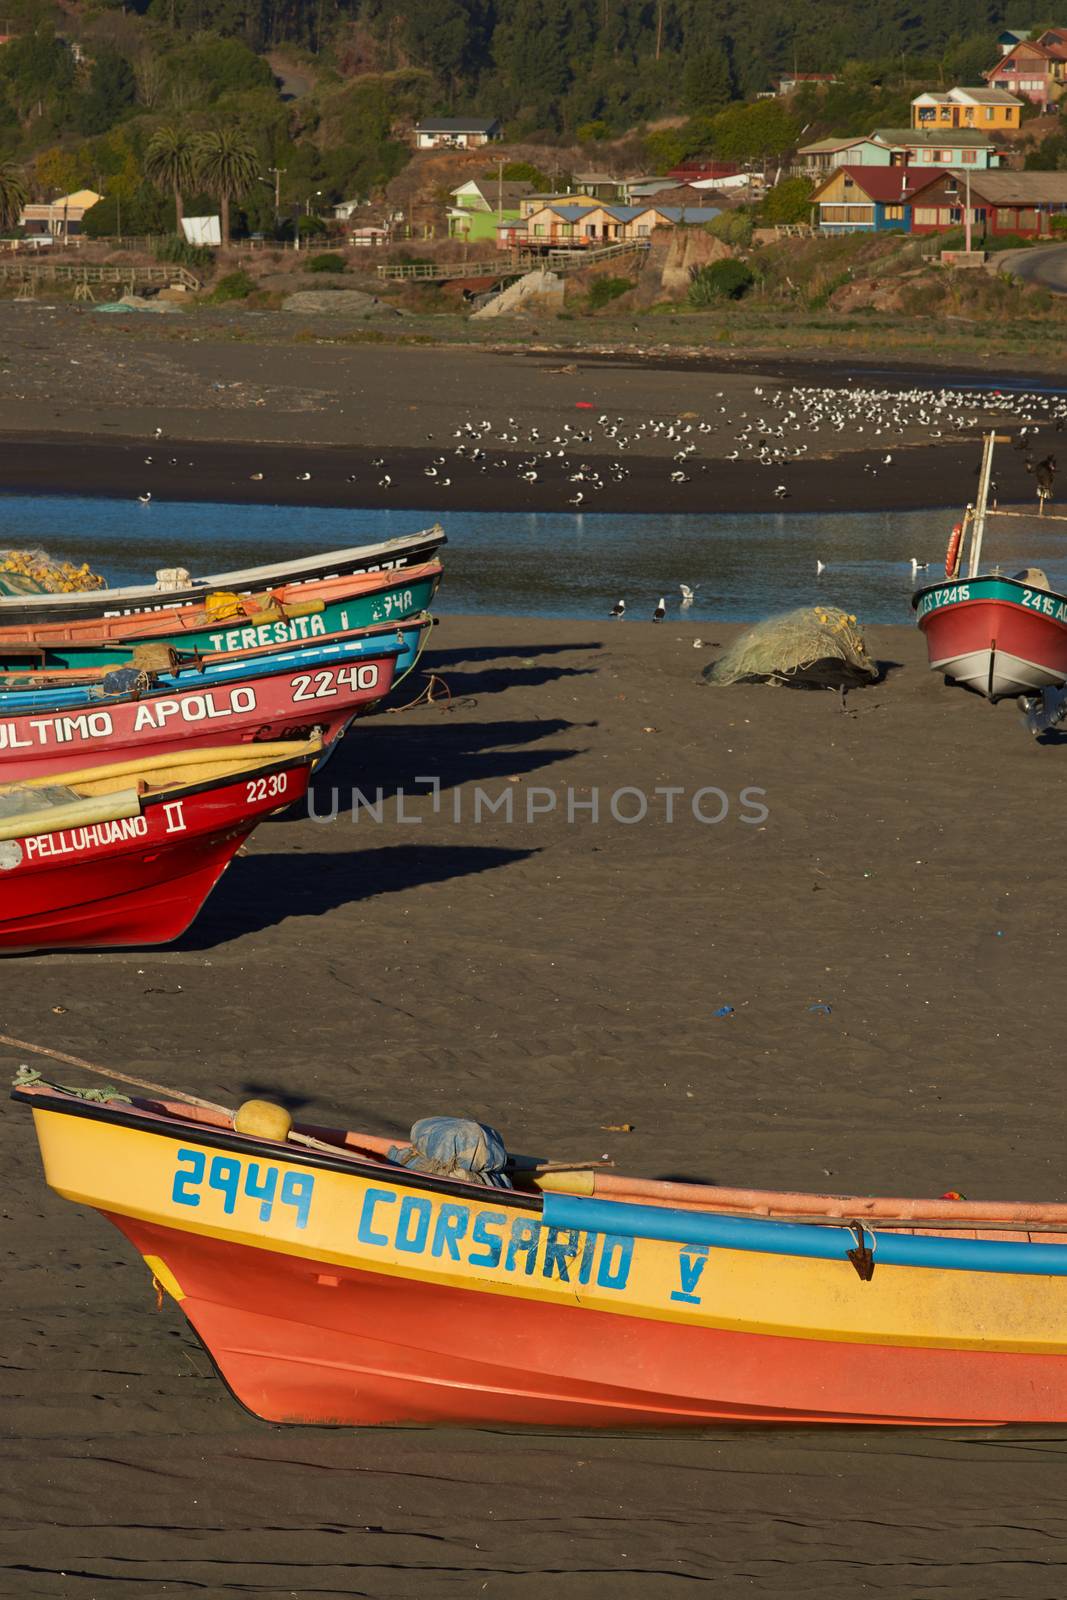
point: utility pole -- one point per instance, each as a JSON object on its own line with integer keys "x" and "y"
{"x": 967, "y": 218}
{"x": 500, "y": 191}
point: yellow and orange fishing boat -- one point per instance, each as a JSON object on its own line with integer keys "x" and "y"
{"x": 331, "y": 1282}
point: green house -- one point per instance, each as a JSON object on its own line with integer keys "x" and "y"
{"x": 479, "y": 204}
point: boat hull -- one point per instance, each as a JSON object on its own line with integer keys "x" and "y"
{"x": 343, "y": 1289}
{"x": 995, "y": 636}
{"x": 272, "y": 706}
{"x": 299, "y": 1342}
{"x": 138, "y": 881}
{"x": 392, "y": 555}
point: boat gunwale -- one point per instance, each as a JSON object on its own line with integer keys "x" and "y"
{"x": 850, "y": 1213}
{"x": 49, "y": 1098}
{"x": 983, "y": 577}
{"x": 435, "y": 536}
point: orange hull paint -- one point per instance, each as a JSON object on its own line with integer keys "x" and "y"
{"x": 303, "y": 1343}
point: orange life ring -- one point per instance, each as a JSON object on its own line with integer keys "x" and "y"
{"x": 952, "y": 554}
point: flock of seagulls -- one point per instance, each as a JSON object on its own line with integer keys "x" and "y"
{"x": 772, "y": 428}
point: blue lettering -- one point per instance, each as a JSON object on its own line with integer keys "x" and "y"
{"x": 225, "y": 1175}
{"x": 691, "y": 1263}
{"x": 585, "y": 1270}
{"x": 492, "y": 1244}
{"x": 297, "y": 1189}
{"x": 452, "y": 1222}
{"x": 561, "y": 1247}
{"x": 525, "y": 1234}
{"x": 193, "y": 1174}
{"x": 611, "y": 1276}
{"x": 365, "y": 1232}
{"x": 415, "y": 1206}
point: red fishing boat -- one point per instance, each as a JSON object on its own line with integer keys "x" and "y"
{"x": 127, "y": 854}
{"x": 999, "y": 634}
{"x": 241, "y": 700}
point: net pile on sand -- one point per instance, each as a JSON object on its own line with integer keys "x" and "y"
{"x": 816, "y": 647}
{"x": 36, "y": 572}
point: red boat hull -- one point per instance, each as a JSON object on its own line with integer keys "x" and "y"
{"x": 286, "y": 705}
{"x": 300, "y": 1341}
{"x": 140, "y": 881}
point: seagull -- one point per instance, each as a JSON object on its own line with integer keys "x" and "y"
{"x": 577, "y": 499}
{"x": 257, "y": 477}
{"x": 781, "y": 492}
{"x": 159, "y": 433}
{"x": 820, "y": 568}
{"x": 303, "y": 477}
{"x": 383, "y": 483}
{"x": 918, "y": 566}
{"x": 430, "y": 472}
{"x": 145, "y": 499}
{"x": 148, "y": 461}
{"x": 660, "y": 611}
{"x": 687, "y": 594}
{"x": 619, "y": 609}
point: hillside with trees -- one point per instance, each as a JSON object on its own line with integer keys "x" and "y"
{"x": 85, "y": 88}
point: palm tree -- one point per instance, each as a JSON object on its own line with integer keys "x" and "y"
{"x": 170, "y": 162}
{"x": 226, "y": 163}
{"x": 13, "y": 195}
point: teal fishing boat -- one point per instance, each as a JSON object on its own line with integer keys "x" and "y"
{"x": 341, "y": 607}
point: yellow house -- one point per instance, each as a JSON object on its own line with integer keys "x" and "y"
{"x": 61, "y": 217}
{"x": 986, "y": 110}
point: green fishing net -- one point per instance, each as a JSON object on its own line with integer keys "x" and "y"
{"x": 815, "y": 647}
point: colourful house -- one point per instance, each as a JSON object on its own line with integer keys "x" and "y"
{"x": 947, "y": 147}
{"x": 480, "y": 203}
{"x": 868, "y": 199}
{"x": 1034, "y": 69}
{"x": 901, "y": 147}
{"x": 1022, "y": 203}
{"x": 60, "y": 219}
{"x": 993, "y": 110}
{"x": 563, "y": 226}
{"x": 456, "y": 133}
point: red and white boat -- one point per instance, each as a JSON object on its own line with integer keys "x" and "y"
{"x": 999, "y": 634}
{"x": 320, "y": 689}
{"x": 127, "y": 854}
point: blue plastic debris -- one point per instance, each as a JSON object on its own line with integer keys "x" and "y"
{"x": 822, "y": 1008}
{"x": 724, "y": 1011}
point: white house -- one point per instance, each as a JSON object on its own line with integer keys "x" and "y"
{"x": 456, "y": 133}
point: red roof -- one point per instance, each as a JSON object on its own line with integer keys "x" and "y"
{"x": 886, "y": 185}
{"x": 1054, "y": 40}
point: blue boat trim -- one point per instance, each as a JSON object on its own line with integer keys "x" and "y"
{"x": 16, "y": 702}
{"x": 824, "y": 1243}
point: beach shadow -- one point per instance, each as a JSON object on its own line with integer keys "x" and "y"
{"x": 389, "y": 755}
{"x": 489, "y": 682}
{"x": 263, "y": 891}
{"x": 440, "y": 658}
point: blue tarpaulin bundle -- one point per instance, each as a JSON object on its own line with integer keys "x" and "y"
{"x": 455, "y": 1147}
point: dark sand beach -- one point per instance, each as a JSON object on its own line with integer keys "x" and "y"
{"x": 81, "y": 398}
{"x": 555, "y": 977}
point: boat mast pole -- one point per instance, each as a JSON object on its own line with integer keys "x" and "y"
{"x": 981, "y": 503}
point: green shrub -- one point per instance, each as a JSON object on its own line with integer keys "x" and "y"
{"x": 234, "y": 286}
{"x": 732, "y": 227}
{"x": 520, "y": 172}
{"x": 178, "y": 252}
{"x": 1059, "y": 227}
{"x": 720, "y": 280}
{"x": 590, "y": 132}
{"x": 788, "y": 201}
{"x": 604, "y": 290}
{"x": 327, "y": 263}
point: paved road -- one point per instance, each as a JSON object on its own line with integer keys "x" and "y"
{"x": 1045, "y": 264}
